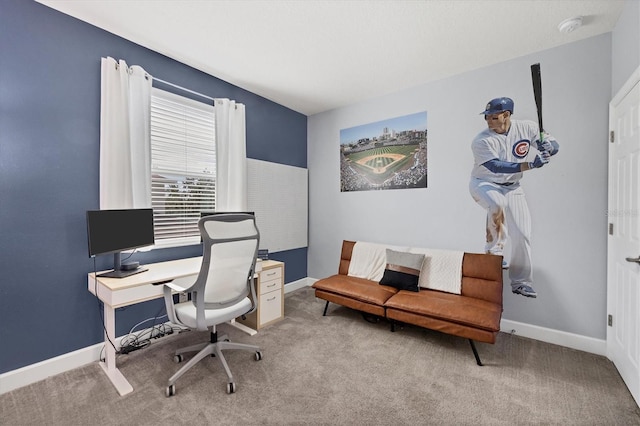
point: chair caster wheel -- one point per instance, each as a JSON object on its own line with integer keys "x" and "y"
{"x": 231, "y": 387}
{"x": 258, "y": 355}
{"x": 178, "y": 359}
{"x": 170, "y": 391}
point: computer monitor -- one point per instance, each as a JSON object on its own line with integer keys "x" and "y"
{"x": 114, "y": 231}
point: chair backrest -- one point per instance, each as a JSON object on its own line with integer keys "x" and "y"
{"x": 231, "y": 243}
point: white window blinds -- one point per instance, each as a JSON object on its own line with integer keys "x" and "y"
{"x": 183, "y": 166}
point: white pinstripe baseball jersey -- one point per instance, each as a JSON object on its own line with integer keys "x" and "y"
{"x": 514, "y": 146}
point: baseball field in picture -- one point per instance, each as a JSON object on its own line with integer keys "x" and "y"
{"x": 387, "y": 154}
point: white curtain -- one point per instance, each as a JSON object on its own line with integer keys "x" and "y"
{"x": 231, "y": 154}
{"x": 125, "y": 151}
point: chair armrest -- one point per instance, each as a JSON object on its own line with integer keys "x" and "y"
{"x": 175, "y": 287}
{"x": 253, "y": 282}
{"x": 179, "y": 285}
{"x": 169, "y": 306}
{"x": 182, "y": 284}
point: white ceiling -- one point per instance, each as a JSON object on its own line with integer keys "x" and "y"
{"x": 316, "y": 55}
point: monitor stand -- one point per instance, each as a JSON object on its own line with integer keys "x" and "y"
{"x": 120, "y": 270}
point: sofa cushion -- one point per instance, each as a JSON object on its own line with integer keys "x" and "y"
{"x": 402, "y": 270}
{"x": 356, "y": 288}
{"x": 449, "y": 307}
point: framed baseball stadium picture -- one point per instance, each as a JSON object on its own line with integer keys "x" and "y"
{"x": 387, "y": 154}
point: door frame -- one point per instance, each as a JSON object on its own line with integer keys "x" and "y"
{"x": 626, "y": 88}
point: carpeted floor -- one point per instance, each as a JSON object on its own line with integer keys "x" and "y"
{"x": 339, "y": 369}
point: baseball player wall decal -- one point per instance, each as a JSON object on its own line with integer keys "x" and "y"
{"x": 501, "y": 154}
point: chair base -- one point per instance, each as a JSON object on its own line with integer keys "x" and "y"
{"x": 212, "y": 348}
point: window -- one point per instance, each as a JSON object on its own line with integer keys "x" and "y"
{"x": 183, "y": 166}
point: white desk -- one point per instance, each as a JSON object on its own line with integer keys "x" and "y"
{"x": 119, "y": 292}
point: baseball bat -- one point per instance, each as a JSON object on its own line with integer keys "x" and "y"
{"x": 536, "y": 78}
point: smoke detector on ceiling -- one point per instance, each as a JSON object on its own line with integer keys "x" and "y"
{"x": 569, "y": 25}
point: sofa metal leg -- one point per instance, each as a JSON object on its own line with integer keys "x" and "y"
{"x": 324, "y": 314}
{"x": 475, "y": 352}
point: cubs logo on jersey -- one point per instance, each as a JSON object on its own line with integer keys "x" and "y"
{"x": 521, "y": 148}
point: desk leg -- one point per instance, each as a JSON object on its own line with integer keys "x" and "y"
{"x": 109, "y": 365}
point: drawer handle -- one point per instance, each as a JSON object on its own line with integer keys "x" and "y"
{"x": 271, "y": 285}
{"x": 273, "y": 298}
{"x": 271, "y": 273}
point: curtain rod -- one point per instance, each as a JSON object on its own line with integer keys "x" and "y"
{"x": 147, "y": 75}
{"x": 183, "y": 88}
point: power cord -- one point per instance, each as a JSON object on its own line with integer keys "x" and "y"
{"x": 132, "y": 341}
{"x": 130, "y": 254}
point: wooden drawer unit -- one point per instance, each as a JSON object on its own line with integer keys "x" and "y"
{"x": 270, "y": 291}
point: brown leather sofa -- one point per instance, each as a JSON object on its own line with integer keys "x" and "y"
{"x": 474, "y": 314}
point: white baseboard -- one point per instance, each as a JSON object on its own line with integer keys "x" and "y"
{"x": 29, "y": 374}
{"x": 556, "y": 337}
{"x": 49, "y": 367}
{"x": 41, "y": 370}
{"x": 295, "y": 285}
{"x": 548, "y": 335}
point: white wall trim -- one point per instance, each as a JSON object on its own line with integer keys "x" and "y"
{"x": 295, "y": 285}
{"x": 548, "y": 335}
{"x": 49, "y": 367}
{"x": 29, "y": 374}
{"x": 41, "y": 370}
{"x": 557, "y": 337}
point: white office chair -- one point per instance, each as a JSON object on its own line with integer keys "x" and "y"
{"x": 221, "y": 290}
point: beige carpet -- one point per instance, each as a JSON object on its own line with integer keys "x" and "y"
{"x": 339, "y": 369}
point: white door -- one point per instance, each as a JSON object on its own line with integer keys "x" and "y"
{"x": 623, "y": 265}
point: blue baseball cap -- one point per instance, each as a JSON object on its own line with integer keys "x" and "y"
{"x": 498, "y": 105}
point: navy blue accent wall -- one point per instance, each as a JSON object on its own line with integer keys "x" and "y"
{"x": 49, "y": 155}
{"x": 292, "y": 258}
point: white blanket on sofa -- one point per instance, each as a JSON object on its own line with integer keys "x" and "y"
{"x": 368, "y": 261}
{"x": 441, "y": 269}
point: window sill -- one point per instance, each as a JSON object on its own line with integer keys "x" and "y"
{"x": 176, "y": 242}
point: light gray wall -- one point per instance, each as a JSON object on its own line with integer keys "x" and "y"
{"x": 625, "y": 45}
{"x": 568, "y": 198}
